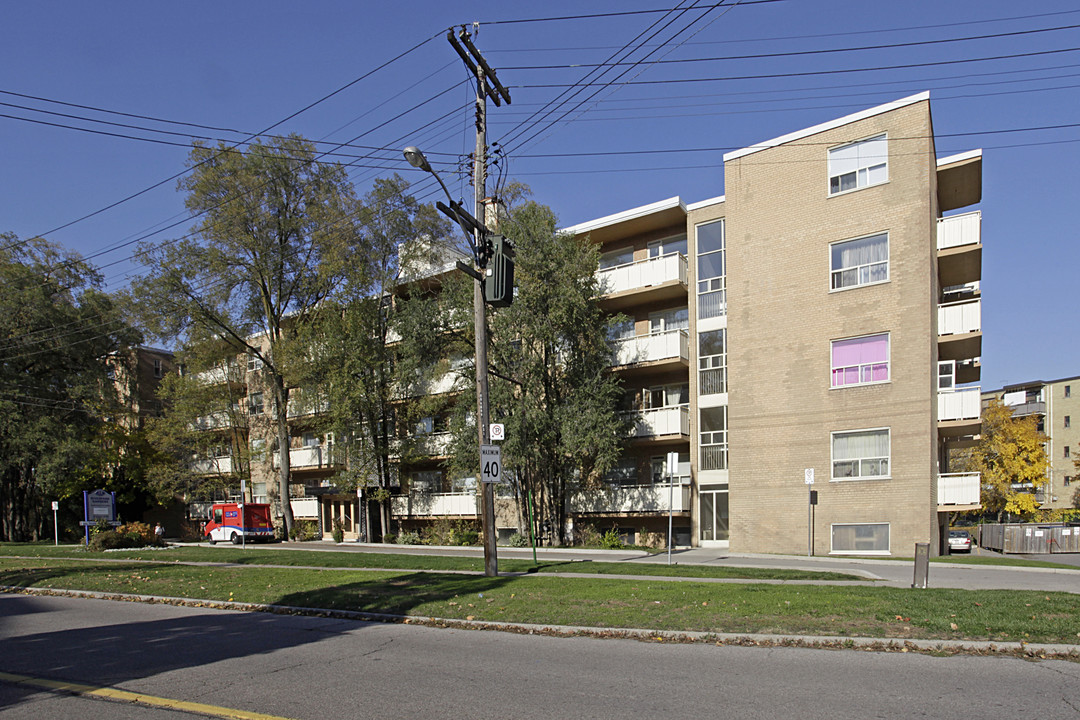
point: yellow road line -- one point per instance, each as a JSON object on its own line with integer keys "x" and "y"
{"x": 139, "y": 698}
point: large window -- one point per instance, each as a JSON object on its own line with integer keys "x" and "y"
{"x": 712, "y": 295}
{"x": 860, "y": 455}
{"x": 860, "y": 361}
{"x": 674, "y": 319}
{"x": 614, "y": 258}
{"x": 662, "y": 396}
{"x": 861, "y": 538}
{"x": 658, "y": 248}
{"x": 255, "y": 404}
{"x": 859, "y": 262}
{"x": 859, "y": 164}
{"x": 713, "y": 438}
{"x": 712, "y": 362}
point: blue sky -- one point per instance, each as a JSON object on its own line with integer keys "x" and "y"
{"x": 245, "y": 66}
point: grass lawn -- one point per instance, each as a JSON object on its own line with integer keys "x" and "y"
{"x": 599, "y": 602}
{"x": 263, "y": 555}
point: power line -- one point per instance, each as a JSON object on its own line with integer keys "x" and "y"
{"x": 592, "y": 16}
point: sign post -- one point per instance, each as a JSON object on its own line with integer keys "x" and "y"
{"x": 98, "y": 505}
{"x": 808, "y": 478}
{"x": 672, "y": 468}
{"x": 56, "y": 526}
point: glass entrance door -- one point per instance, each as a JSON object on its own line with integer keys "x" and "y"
{"x": 713, "y": 515}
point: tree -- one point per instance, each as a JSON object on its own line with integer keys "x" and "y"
{"x": 386, "y": 336}
{"x": 276, "y": 237}
{"x": 551, "y": 358}
{"x": 1011, "y": 456}
{"x": 60, "y": 412}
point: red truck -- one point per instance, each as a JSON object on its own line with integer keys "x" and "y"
{"x": 237, "y": 522}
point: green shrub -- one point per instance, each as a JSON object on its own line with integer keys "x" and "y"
{"x": 610, "y": 540}
{"x": 304, "y": 530}
{"x": 389, "y": 538}
{"x": 409, "y": 538}
{"x": 518, "y": 540}
{"x": 338, "y": 531}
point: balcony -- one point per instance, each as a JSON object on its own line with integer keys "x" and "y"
{"x": 960, "y": 330}
{"x": 959, "y": 244}
{"x": 625, "y": 499}
{"x": 214, "y": 421}
{"x": 958, "y": 491}
{"x": 659, "y": 423}
{"x": 959, "y": 412}
{"x": 433, "y": 444}
{"x": 311, "y": 457}
{"x": 672, "y": 346}
{"x": 1033, "y": 407}
{"x": 434, "y": 504}
{"x": 655, "y": 279}
{"x": 299, "y": 407}
{"x": 212, "y": 466}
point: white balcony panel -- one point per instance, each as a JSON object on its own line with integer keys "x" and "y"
{"x": 632, "y": 498}
{"x": 650, "y": 348}
{"x": 207, "y": 466}
{"x": 301, "y": 406}
{"x": 306, "y": 507}
{"x": 960, "y": 317}
{"x": 962, "y": 404}
{"x": 643, "y": 274}
{"x": 434, "y": 444}
{"x": 958, "y": 488}
{"x": 314, "y": 456}
{"x": 213, "y": 422}
{"x": 660, "y": 421}
{"x": 434, "y": 504}
{"x": 957, "y": 230}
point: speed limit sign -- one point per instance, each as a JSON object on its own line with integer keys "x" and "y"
{"x": 491, "y": 463}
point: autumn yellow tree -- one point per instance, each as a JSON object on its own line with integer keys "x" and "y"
{"x": 1012, "y": 459}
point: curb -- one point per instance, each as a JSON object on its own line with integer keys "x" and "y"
{"x": 1041, "y": 651}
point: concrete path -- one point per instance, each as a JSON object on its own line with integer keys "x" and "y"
{"x": 893, "y": 573}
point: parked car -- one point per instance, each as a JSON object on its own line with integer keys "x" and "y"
{"x": 959, "y": 541}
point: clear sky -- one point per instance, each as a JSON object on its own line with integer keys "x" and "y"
{"x": 651, "y": 128}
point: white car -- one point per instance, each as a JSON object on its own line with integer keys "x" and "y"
{"x": 960, "y": 541}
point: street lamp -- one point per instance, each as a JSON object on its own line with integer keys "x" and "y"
{"x": 477, "y": 241}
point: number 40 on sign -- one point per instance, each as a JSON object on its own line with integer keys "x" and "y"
{"x": 491, "y": 463}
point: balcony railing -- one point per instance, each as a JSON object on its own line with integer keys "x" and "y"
{"x": 958, "y": 488}
{"x": 437, "y": 444}
{"x": 655, "y": 497}
{"x": 673, "y": 344}
{"x": 643, "y": 273}
{"x": 1035, "y": 407}
{"x": 312, "y": 456}
{"x": 960, "y": 317}
{"x": 208, "y": 466}
{"x": 957, "y": 230}
{"x": 961, "y": 404}
{"x": 434, "y": 504}
{"x": 660, "y": 421}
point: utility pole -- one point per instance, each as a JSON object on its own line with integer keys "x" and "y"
{"x": 487, "y": 85}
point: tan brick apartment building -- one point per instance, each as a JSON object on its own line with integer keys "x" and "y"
{"x": 1056, "y": 403}
{"x": 821, "y": 315}
{"x": 830, "y": 312}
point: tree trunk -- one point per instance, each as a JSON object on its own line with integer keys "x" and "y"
{"x": 281, "y": 417}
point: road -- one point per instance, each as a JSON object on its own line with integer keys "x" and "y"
{"x": 318, "y": 668}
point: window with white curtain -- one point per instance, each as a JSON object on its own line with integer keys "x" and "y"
{"x": 860, "y": 454}
{"x": 863, "y": 261}
{"x": 859, "y": 164}
{"x": 860, "y": 361}
{"x": 869, "y": 538}
{"x": 674, "y": 319}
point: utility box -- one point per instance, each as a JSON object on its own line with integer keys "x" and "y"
{"x": 922, "y": 565}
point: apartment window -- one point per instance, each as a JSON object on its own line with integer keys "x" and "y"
{"x": 622, "y": 330}
{"x": 676, "y": 319}
{"x": 859, "y": 164}
{"x": 712, "y": 362}
{"x": 860, "y": 538}
{"x": 157, "y": 368}
{"x": 255, "y": 404}
{"x": 1068, "y": 480}
{"x": 1068, "y": 423}
{"x": 110, "y": 372}
{"x": 860, "y": 454}
{"x": 713, "y": 438}
{"x": 860, "y": 361}
{"x": 659, "y": 248}
{"x": 625, "y": 472}
{"x": 711, "y": 280}
{"x": 614, "y": 258}
{"x": 662, "y": 396}
{"x": 946, "y": 375}
{"x": 254, "y": 362}
{"x": 1068, "y": 391}
{"x": 1066, "y": 451}
{"x": 863, "y": 261}
{"x": 258, "y": 448}
{"x": 310, "y": 440}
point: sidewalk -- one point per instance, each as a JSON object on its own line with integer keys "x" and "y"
{"x": 890, "y": 573}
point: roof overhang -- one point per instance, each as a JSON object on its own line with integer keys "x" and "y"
{"x": 959, "y": 179}
{"x": 635, "y": 221}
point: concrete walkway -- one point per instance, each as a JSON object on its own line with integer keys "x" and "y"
{"x": 892, "y": 573}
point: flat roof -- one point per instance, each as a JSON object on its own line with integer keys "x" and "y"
{"x": 625, "y": 215}
{"x": 799, "y": 134}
